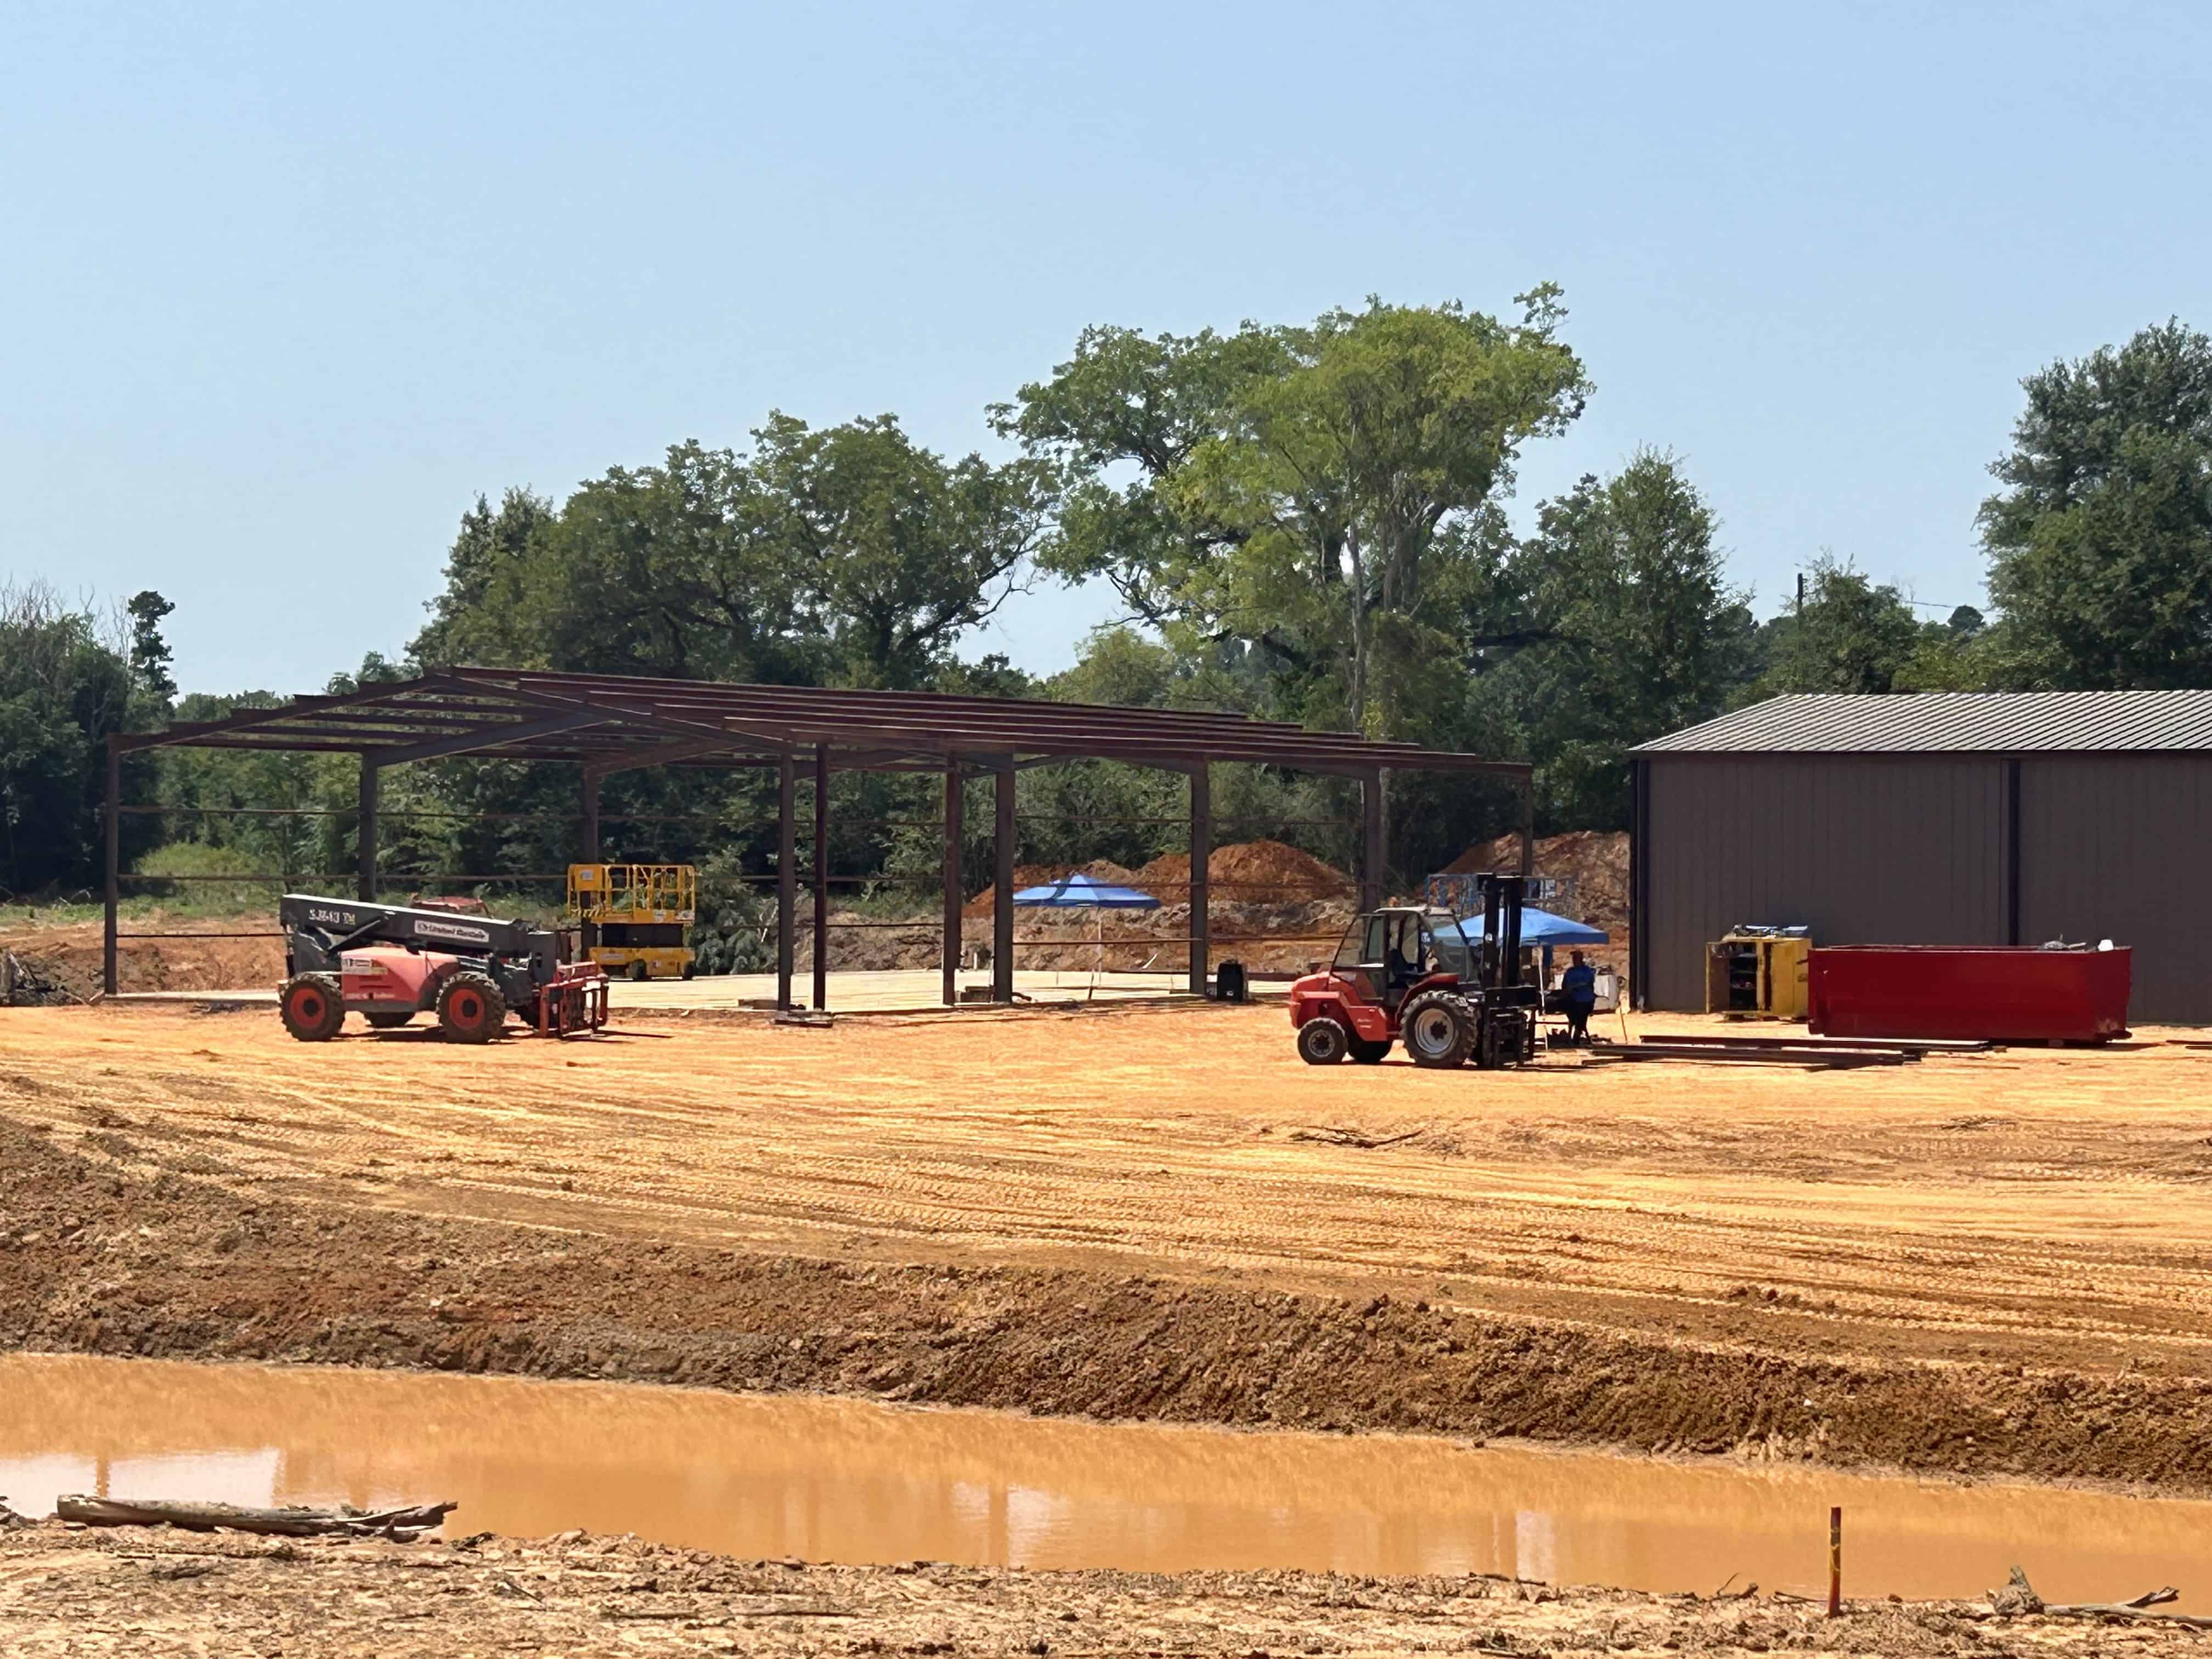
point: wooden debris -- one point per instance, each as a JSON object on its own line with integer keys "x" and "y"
{"x": 2018, "y": 1595}
{"x": 405, "y": 1525}
{"x": 1333, "y": 1136}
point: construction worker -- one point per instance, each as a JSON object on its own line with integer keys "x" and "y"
{"x": 1578, "y": 985}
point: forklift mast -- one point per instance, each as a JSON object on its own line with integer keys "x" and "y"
{"x": 1502, "y": 898}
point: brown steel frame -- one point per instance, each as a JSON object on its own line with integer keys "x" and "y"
{"x": 607, "y": 723}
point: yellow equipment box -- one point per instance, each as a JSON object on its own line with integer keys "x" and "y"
{"x": 1757, "y": 975}
{"x": 642, "y": 913}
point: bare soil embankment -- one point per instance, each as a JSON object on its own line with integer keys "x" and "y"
{"x": 135, "y": 1592}
{"x": 1984, "y": 1266}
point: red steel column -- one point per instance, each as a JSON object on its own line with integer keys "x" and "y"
{"x": 955, "y": 894}
{"x": 821, "y": 876}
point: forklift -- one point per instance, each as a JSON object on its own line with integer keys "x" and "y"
{"x": 1413, "y": 974}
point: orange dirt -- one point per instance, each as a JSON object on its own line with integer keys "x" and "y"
{"x": 1596, "y": 860}
{"x": 72, "y": 953}
{"x": 1991, "y": 1262}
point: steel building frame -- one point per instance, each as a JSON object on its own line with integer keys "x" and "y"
{"x": 608, "y": 723}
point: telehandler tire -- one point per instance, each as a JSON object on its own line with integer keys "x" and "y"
{"x": 311, "y": 1006}
{"x": 1438, "y": 1028}
{"x": 470, "y": 1008}
{"x": 1323, "y": 1042}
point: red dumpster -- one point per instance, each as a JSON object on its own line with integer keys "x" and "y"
{"x": 1998, "y": 991}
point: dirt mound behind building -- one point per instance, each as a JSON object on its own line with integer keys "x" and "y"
{"x": 1248, "y": 872}
{"x": 1596, "y": 860}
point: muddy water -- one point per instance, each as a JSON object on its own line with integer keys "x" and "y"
{"x": 833, "y": 1480}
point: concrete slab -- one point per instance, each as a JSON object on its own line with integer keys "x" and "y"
{"x": 853, "y": 992}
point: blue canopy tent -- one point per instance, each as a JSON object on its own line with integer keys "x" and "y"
{"x": 1077, "y": 891}
{"x": 1540, "y": 931}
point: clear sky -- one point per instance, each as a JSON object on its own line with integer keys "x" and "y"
{"x": 286, "y": 286}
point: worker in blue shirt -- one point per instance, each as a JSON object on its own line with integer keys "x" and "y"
{"x": 1578, "y": 986}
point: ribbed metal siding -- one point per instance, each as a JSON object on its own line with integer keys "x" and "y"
{"x": 2115, "y": 848}
{"x": 1864, "y": 851}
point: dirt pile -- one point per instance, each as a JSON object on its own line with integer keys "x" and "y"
{"x": 1596, "y": 860}
{"x": 1249, "y": 873}
{"x": 133, "y": 1591}
{"x": 72, "y": 952}
{"x": 1272, "y": 908}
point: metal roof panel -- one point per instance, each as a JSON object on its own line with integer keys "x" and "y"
{"x": 1954, "y": 722}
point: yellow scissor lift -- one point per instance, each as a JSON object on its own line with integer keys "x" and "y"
{"x": 642, "y": 913}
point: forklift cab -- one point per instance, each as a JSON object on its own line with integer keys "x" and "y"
{"x": 1385, "y": 953}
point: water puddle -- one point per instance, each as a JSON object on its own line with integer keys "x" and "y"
{"x": 835, "y": 1480}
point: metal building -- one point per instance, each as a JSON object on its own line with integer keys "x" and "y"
{"x": 1933, "y": 818}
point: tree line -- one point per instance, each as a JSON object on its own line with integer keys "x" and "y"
{"x": 1304, "y": 522}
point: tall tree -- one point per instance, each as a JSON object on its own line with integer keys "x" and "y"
{"x": 1297, "y": 489}
{"x": 149, "y": 652}
{"x": 900, "y": 552}
{"x": 1849, "y": 633}
{"x": 65, "y": 683}
{"x": 848, "y": 554}
{"x": 2100, "y": 544}
{"x": 1615, "y": 623}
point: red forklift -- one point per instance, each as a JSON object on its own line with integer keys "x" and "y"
{"x": 1418, "y": 974}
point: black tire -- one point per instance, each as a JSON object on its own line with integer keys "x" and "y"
{"x": 470, "y": 1008}
{"x": 639, "y": 973}
{"x": 389, "y": 1022}
{"x": 689, "y": 969}
{"x": 312, "y": 1006}
{"x": 1365, "y": 1053}
{"x": 1437, "y": 1028}
{"x": 1323, "y": 1040}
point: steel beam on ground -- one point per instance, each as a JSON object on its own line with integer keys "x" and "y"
{"x": 112, "y": 862}
{"x": 821, "y": 877}
{"x": 955, "y": 889}
{"x": 1202, "y": 855}
{"x": 1002, "y": 882}
{"x": 1370, "y": 862}
{"x": 786, "y": 875}
{"x": 364, "y": 834}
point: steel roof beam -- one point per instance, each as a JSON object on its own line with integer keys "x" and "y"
{"x": 487, "y": 737}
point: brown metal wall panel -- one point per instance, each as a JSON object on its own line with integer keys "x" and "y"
{"x": 2112, "y": 848}
{"x": 1863, "y": 851}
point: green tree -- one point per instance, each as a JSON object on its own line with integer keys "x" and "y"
{"x": 1849, "y": 633}
{"x": 1299, "y": 493}
{"x": 899, "y": 552}
{"x": 2100, "y": 544}
{"x": 1613, "y": 624}
{"x": 849, "y": 555}
{"x": 149, "y": 652}
{"x": 65, "y": 683}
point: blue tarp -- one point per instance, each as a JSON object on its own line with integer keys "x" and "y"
{"x": 1537, "y": 927}
{"x": 1081, "y": 892}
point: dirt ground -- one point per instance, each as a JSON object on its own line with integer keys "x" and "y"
{"x": 156, "y": 1592}
{"x": 1985, "y": 1264}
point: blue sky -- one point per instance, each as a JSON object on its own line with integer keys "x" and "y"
{"x": 285, "y": 286}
